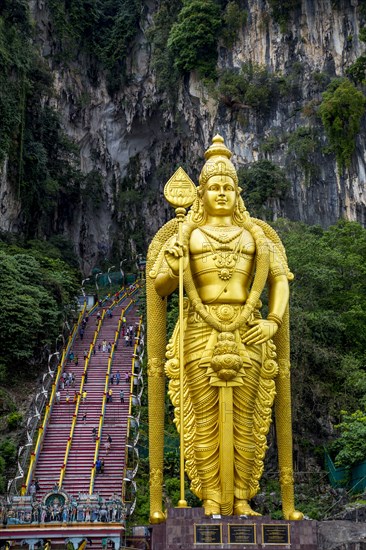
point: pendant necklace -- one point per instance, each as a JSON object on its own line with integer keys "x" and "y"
{"x": 225, "y": 259}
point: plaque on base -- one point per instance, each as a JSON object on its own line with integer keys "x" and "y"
{"x": 242, "y": 534}
{"x": 276, "y": 533}
{"x": 207, "y": 533}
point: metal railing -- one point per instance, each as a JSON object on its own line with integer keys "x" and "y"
{"x": 28, "y": 452}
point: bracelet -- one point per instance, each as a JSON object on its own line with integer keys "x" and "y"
{"x": 275, "y": 318}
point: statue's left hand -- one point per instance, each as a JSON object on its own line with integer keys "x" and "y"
{"x": 260, "y": 331}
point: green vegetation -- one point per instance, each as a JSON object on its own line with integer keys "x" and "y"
{"x": 341, "y": 111}
{"x": 185, "y": 37}
{"x": 7, "y": 458}
{"x": 234, "y": 18}
{"x": 167, "y": 75}
{"x": 350, "y": 447}
{"x": 14, "y": 420}
{"x": 281, "y": 11}
{"x": 252, "y": 86}
{"x": 42, "y": 160}
{"x": 357, "y": 71}
{"x": 35, "y": 286}
{"x": 261, "y": 181}
{"x": 303, "y": 143}
{"x": 105, "y": 29}
{"x": 328, "y": 322}
{"x": 193, "y": 37}
{"x": 15, "y": 62}
{"x": 39, "y": 282}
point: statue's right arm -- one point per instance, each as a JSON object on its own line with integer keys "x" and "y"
{"x": 168, "y": 274}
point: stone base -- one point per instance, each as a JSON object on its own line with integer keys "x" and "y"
{"x": 190, "y": 529}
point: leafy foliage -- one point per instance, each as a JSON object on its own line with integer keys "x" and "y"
{"x": 351, "y": 444}
{"x": 252, "y": 86}
{"x": 234, "y": 17}
{"x": 162, "y": 58}
{"x": 357, "y": 71}
{"x": 193, "y": 37}
{"x": 14, "y": 420}
{"x": 42, "y": 159}
{"x": 261, "y": 181}
{"x": 328, "y": 323}
{"x": 341, "y": 111}
{"x": 303, "y": 143}
{"x": 281, "y": 10}
{"x": 33, "y": 292}
{"x": 104, "y": 28}
{"x": 14, "y": 65}
{"x": 7, "y": 458}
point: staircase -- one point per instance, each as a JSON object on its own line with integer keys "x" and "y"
{"x": 66, "y": 461}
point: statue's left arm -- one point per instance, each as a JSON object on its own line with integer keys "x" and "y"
{"x": 278, "y": 297}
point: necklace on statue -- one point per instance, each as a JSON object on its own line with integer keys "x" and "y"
{"x": 224, "y": 258}
{"x": 222, "y": 234}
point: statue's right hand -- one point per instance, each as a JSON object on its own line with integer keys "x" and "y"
{"x": 172, "y": 255}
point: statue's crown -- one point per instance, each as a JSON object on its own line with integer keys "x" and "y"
{"x": 218, "y": 162}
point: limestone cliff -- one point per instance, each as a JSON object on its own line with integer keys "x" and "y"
{"x": 136, "y": 140}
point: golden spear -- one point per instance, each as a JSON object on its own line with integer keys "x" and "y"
{"x": 180, "y": 192}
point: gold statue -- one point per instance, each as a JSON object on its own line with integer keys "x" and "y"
{"x": 235, "y": 362}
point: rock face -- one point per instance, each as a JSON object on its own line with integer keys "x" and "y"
{"x": 136, "y": 142}
{"x": 341, "y": 535}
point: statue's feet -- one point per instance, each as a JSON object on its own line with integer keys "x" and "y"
{"x": 157, "y": 517}
{"x": 242, "y": 508}
{"x": 296, "y": 515}
{"x": 211, "y": 507}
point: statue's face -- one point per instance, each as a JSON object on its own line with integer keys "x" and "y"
{"x": 219, "y": 196}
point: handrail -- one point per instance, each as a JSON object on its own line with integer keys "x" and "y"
{"x": 101, "y": 421}
{"x": 101, "y": 417}
{"x": 81, "y": 389}
{"x": 49, "y": 406}
{"x": 104, "y": 401}
{"x": 130, "y": 405}
{"x": 69, "y": 441}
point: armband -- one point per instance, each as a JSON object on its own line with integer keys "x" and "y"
{"x": 275, "y": 318}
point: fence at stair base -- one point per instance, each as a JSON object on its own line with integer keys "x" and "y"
{"x": 28, "y": 453}
{"x": 129, "y": 495}
{"x": 352, "y": 479}
{"x": 59, "y": 507}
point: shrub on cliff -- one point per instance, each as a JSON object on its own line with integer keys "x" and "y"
{"x": 341, "y": 110}
{"x": 193, "y": 38}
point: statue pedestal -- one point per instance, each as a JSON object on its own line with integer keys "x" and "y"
{"x": 190, "y": 529}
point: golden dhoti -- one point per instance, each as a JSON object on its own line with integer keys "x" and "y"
{"x": 252, "y": 399}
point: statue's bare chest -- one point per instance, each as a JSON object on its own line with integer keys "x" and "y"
{"x": 224, "y": 250}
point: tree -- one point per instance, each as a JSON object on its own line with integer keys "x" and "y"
{"x": 193, "y": 38}
{"x": 34, "y": 288}
{"x": 341, "y": 111}
{"x": 261, "y": 181}
{"x": 351, "y": 444}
